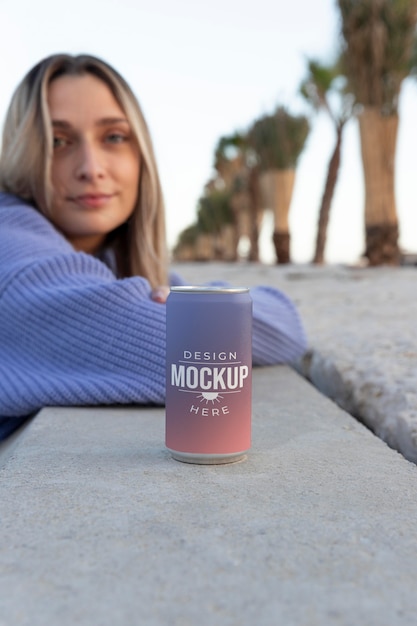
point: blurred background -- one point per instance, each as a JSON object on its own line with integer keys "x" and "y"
{"x": 209, "y": 76}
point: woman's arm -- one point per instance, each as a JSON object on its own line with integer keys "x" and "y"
{"x": 70, "y": 332}
{"x": 278, "y": 334}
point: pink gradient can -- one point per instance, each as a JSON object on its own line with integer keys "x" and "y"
{"x": 209, "y": 374}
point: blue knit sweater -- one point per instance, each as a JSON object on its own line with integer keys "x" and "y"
{"x": 71, "y": 333}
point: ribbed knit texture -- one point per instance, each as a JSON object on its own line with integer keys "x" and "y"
{"x": 71, "y": 333}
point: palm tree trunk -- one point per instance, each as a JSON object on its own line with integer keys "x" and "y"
{"x": 277, "y": 187}
{"x": 255, "y": 212}
{"x": 240, "y": 204}
{"x": 204, "y": 247}
{"x": 227, "y": 243}
{"x": 378, "y": 144}
{"x": 184, "y": 253}
{"x": 326, "y": 201}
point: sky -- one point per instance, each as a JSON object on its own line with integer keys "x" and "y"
{"x": 202, "y": 70}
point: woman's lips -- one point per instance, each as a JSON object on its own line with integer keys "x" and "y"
{"x": 93, "y": 200}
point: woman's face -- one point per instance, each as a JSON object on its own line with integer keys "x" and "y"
{"x": 96, "y": 162}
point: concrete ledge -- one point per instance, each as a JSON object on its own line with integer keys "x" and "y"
{"x": 8, "y": 445}
{"x": 100, "y": 526}
{"x": 361, "y": 325}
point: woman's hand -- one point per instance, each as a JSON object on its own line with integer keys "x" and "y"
{"x": 160, "y": 294}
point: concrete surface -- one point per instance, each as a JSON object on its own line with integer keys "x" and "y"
{"x": 362, "y": 328}
{"x": 99, "y": 526}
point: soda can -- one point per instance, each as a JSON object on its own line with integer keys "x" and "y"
{"x": 209, "y": 374}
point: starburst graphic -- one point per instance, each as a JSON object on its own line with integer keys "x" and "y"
{"x": 209, "y": 396}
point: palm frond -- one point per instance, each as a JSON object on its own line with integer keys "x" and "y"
{"x": 278, "y": 139}
{"x": 378, "y": 44}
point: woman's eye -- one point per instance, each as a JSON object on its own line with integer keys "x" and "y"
{"x": 60, "y": 142}
{"x": 116, "y": 138}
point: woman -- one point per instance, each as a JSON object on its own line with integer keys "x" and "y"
{"x": 83, "y": 262}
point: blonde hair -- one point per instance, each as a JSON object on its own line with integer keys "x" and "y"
{"x": 26, "y": 156}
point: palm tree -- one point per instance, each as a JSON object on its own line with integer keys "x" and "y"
{"x": 379, "y": 37}
{"x": 229, "y": 157}
{"x": 321, "y": 84}
{"x": 278, "y": 141}
{"x": 214, "y": 213}
{"x": 185, "y": 248}
{"x": 236, "y": 166}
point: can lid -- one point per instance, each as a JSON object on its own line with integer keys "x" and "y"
{"x": 208, "y": 289}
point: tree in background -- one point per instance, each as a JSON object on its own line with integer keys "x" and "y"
{"x": 236, "y": 166}
{"x": 204, "y": 239}
{"x": 214, "y": 211}
{"x": 378, "y": 37}
{"x": 185, "y": 247}
{"x": 278, "y": 141}
{"x": 229, "y": 208}
{"x": 324, "y": 88}
{"x": 229, "y": 157}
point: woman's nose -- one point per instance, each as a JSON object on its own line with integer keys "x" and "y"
{"x": 89, "y": 164}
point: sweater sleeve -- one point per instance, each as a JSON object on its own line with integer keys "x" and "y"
{"x": 278, "y": 335}
{"x": 70, "y": 332}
